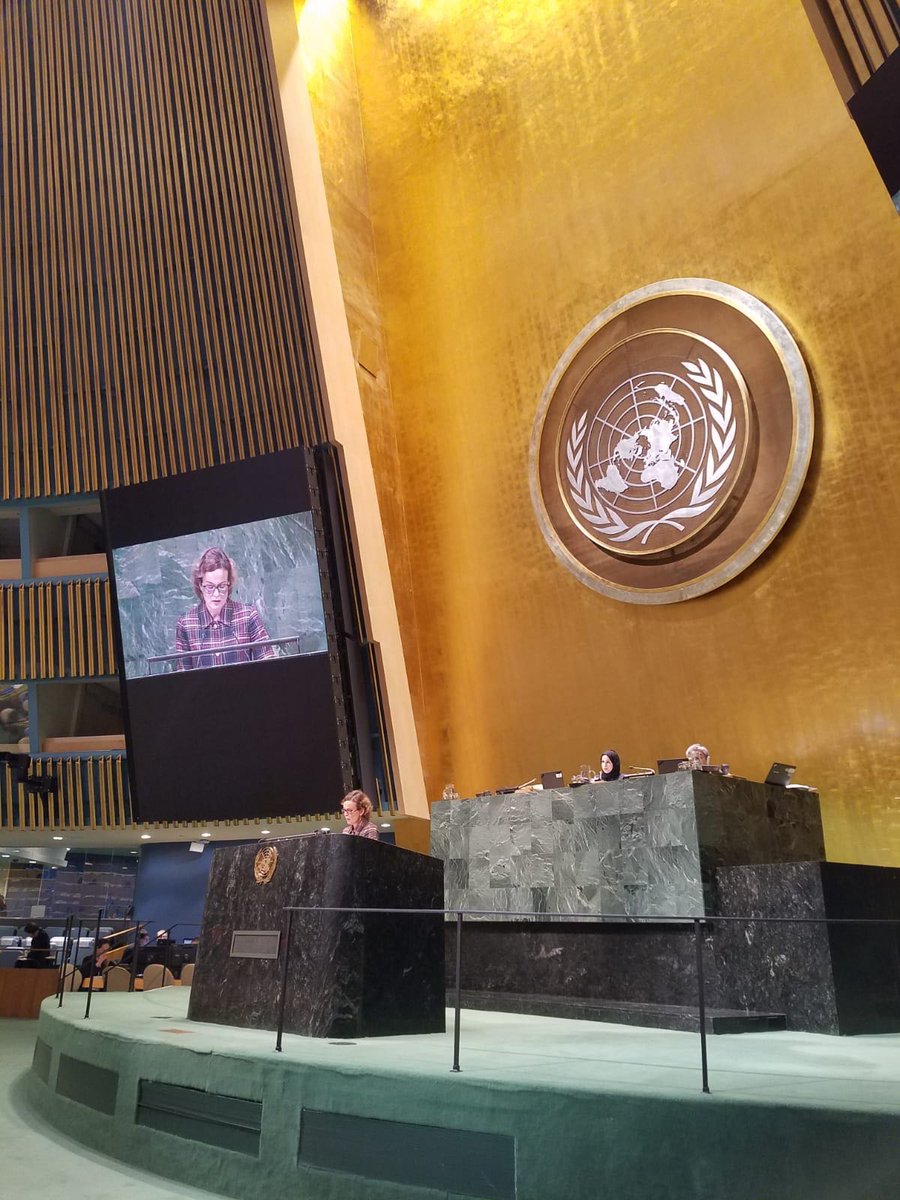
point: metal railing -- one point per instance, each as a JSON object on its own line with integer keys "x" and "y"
{"x": 697, "y": 923}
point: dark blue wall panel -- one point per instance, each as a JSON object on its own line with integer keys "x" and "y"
{"x": 171, "y": 887}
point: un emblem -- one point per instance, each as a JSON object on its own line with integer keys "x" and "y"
{"x": 672, "y": 441}
{"x": 264, "y": 864}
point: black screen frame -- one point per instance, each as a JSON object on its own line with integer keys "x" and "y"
{"x": 266, "y": 739}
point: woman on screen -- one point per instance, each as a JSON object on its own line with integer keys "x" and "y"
{"x": 218, "y": 631}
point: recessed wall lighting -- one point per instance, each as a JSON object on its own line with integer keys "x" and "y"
{"x": 206, "y": 835}
{"x": 57, "y": 837}
{"x": 145, "y": 837}
{"x": 265, "y": 831}
{"x": 326, "y": 829}
{"x": 385, "y": 824}
{"x": 132, "y": 851}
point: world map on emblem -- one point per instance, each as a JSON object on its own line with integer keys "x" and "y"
{"x": 654, "y": 458}
{"x": 645, "y": 445}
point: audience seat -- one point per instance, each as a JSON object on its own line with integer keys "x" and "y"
{"x": 156, "y": 976}
{"x": 72, "y": 978}
{"x": 117, "y": 979}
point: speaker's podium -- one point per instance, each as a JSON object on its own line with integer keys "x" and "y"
{"x": 348, "y": 974}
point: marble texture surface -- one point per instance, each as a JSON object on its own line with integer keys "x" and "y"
{"x": 638, "y": 847}
{"x": 349, "y": 975}
{"x": 825, "y": 978}
{"x": 645, "y": 963}
{"x": 278, "y": 573}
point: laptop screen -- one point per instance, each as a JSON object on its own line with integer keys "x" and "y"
{"x": 780, "y": 774}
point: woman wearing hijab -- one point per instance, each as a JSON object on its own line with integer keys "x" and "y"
{"x": 610, "y": 767}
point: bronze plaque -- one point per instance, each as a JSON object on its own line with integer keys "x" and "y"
{"x": 264, "y": 864}
{"x": 672, "y": 441}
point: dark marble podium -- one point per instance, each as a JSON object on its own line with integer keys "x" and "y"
{"x": 829, "y": 978}
{"x": 349, "y": 975}
{"x": 685, "y": 845}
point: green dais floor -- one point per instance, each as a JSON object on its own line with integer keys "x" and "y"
{"x": 579, "y": 1109}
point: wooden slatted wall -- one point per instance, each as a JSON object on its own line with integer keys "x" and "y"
{"x": 92, "y": 793}
{"x": 56, "y": 630}
{"x": 154, "y": 318}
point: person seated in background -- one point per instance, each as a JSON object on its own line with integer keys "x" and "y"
{"x": 697, "y": 757}
{"x": 39, "y": 954}
{"x": 357, "y": 809}
{"x": 96, "y": 962}
{"x": 610, "y": 766}
{"x": 143, "y": 939}
{"x": 162, "y": 936}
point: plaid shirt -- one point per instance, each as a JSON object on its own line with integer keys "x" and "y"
{"x": 369, "y": 830}
{"x": 238, "y": 625}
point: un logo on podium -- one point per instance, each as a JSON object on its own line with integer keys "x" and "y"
{"x": 672, "y": 441}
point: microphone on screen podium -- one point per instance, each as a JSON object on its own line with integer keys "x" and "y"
{"x": 641, "y": 771}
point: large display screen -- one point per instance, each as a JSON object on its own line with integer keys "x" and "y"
{"x": 233, "y": 706}
{"x": 246, "y": 593}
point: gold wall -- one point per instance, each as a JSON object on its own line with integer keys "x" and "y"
{"x": 526, "y": 162}
{"x": 326, "y": 50}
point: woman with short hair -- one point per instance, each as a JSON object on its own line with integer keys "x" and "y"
{"x": 357, "y": 809}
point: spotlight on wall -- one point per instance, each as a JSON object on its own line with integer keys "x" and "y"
{"x": 145, "y": 837}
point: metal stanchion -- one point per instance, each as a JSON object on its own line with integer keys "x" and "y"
{"x": 136, "y": 949}
{"x": 282, "y": 999}
{"x": 75, "y": 964}
{"x": 87, "y": 1007}
{"x": 701, "y": 1000}
{"x": 61, "y": 976}
{"x": 458, "y": 1005}
{"x": 167, "y": 957}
